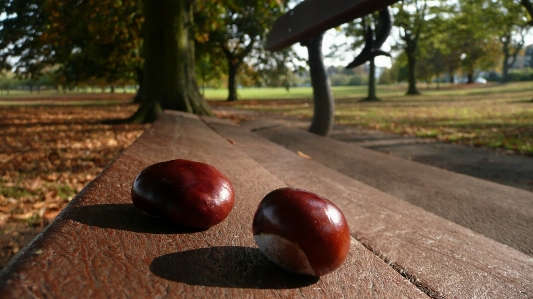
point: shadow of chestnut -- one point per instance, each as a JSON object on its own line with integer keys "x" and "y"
{"x": 123, "y": 217}
{"x": 228, "y": 267}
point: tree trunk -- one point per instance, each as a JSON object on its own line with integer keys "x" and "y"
{"x": 324, "y": 107}
{"x": 233, "y": 69}
{"x": 505, "y": 69}
{"x": 372, "y": 82}
{"x": 470, "y": 78}
{"x": 235, "y": 59}
{"x": 411, "y": 61}
{"x": 140, "y": 81}
{"x": 168, "y": 49}
{"x": 509, "y": 58}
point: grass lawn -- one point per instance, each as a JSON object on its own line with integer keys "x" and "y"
{"x": 491, "y": 115}
{"x": 297, "y": 93}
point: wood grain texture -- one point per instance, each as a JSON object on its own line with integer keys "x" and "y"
{"x": 101, "y": 246}
{"x": 313, "y": 17}
{"x": 499, "y": 212}
{"x": 442, "y": 258}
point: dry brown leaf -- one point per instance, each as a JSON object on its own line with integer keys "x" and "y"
{"x": 4, "y": 218}
{"x": 24, "y": 216}
{"x": 304, "y": 155}
{"x": 39, "y": 205}
{"x": 53, "y": 206}
{"x": 50, "y": 153}
{"x": 51, "y": 214}
{"x": 112, "y": 142}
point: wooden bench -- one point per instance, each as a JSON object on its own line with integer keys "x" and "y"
{"x": 499, "y": 212}
{"x": 101, "y": 246}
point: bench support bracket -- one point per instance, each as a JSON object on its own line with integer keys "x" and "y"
{"x": 324, "y": 107}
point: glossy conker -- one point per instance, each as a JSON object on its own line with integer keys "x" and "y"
{"x": 301, "y": 232}
{"x": 186, "y": 193}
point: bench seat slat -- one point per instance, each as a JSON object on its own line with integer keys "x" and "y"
{"x": 442, "y": 258}
{"x": 101, "y": 246}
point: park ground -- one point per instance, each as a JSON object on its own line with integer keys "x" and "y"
{"x": 52, "y": 145}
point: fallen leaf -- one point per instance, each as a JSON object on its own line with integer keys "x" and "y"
{"x": 39, "y": 205}
{"x": 5, "y": 209}
{"x": 4, "y": 218}
{"x": 304, "y": 155}
{"x": 112, "y": 142}
{"x": 51, "y": 214}
{"x": 24, "y": 216}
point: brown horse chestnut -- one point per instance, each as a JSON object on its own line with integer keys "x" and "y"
{"x": 186, "y": 193}
{"x": 301, "y": 231}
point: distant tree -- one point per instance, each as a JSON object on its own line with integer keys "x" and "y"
{"x": 96, "y": 38}
{"x": 368, "y": 30}
{"x": 437, "y": 52}
{"x": 273, "y": 69}
{"x": 87, "y": 38}
{"x": 237, "y": 27}
{"x": 210, "y": 64}
{"x": 356, "y": 33}
{"x": 411, "y": 19}
{"x": 511, "y": 26}
{"x": 476, "y": 37}
{"x": 399, "y": 71}
{"x": 7, "y": 80}
{"x": 21, "y": 37}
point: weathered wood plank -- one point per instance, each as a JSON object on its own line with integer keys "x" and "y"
{"x": 101, "y": 246}
{"x": 499, "y": 212}
{"x": 313, "y": 17}
{"x": 442, "y": 258}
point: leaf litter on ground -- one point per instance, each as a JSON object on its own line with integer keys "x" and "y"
{"x": 47, "y": 155}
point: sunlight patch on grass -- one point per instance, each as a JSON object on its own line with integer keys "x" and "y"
{"x": 496, "y": 116}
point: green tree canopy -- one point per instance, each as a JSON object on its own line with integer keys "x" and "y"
{"x": 89, "y": 39}
{"x": 237, "y": 28}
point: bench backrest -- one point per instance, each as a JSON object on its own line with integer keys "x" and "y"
{"x": 312, "y": 17}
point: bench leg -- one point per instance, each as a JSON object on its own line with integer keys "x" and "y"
{"x": 324, "y": 107}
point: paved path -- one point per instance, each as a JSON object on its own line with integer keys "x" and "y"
{"x": 489, "y": 164}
